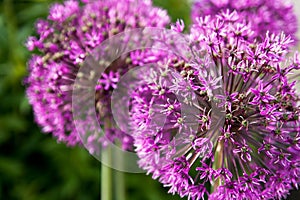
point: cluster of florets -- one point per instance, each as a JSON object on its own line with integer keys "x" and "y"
{"x": 222, "y": 122}
{"x": 227, "y": 119}
{"x": 64, "y": 40}
{"x": 263, "y": 15}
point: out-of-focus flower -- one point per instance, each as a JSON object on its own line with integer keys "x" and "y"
{"x": 263, "y": 15}
{"x": 64, "y": 40}
{"x": 243, "y": 140}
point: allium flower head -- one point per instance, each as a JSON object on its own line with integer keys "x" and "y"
{"x": 64, "y": 40}
{"x": 226, "y": 124}
{"x": 263, "y": 15}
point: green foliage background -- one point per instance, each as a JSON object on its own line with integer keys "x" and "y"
{"x": 33, "y": 166}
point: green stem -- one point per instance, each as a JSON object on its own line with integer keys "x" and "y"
{"x": 120, "y": 185}
{"x": 112, "y": 181}
{"x": 119, "y": 178}
{"x": 106, "y": 176}
{"x": 218, "y": 163}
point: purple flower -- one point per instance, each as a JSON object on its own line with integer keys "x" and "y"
{"x": 227, "y": 134}
{"x": 267, "y": 148}
{"x": 262, "y": 94}
{"x": 243, "y": 150}
{"x": 206, "y": 172}
{"x": 263, "y": 15}
{"x": 108, "y": 81}
{"x": 64, "y": 40}
{"x": 239, "y": 132}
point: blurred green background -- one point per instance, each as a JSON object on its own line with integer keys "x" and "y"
{"x": 33, "y": 166}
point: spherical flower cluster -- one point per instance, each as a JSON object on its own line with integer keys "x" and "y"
{"x": 226, "y": 125}
{"x": 264, "y": 15}
{"x": 64, "y": 40}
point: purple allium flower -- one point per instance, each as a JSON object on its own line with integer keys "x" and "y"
{"x": 222, "y": 126}
{"x": 64, "y": 40}
{"x": 263, "y": 15}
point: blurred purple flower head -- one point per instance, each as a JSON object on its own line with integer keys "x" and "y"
{"x": 64, "y": 40}
{"x": 263, "y": 15}
{"x": 228, "y": 118}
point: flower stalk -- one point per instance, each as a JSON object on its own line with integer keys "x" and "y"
{"x": 119, "y": 180}
{"x": 112, "y": 181}
{"x": 218, "y": 164}
{"x": 106, "y": 177}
